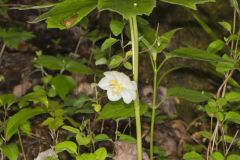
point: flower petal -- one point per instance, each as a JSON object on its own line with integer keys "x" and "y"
{"x": 113, "y": 97}
{"x": 128, "y": 96}
{"x": 104, "y": 83}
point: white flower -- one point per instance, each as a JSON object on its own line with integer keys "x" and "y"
{"x": 118, "y": 85}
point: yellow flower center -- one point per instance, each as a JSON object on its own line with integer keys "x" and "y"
{"x": 116, "y": 87}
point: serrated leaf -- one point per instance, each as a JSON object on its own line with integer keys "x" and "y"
{"x": 128, "y": 8}
{"x": 12, "y": 36}
{"x": 119, "y": 110}
{"x": 63, "y": 85}
{"x": 187, "y": 94}
{"x": 11, "y": 151}
{"x": 20, "y": 118}
{"x": 108, "y": 43}
{"x": 63, "y": 17}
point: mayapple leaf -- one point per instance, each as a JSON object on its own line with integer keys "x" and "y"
{"x": 20, "y": 118}
{"x": 187, "y": 94}
{"x": 11, "y": 151}
{"x": 188, "y": 3}
{"x": 128, "y": 8}
{"x": 67, "y": 13}
{"x": 63, "y": 85}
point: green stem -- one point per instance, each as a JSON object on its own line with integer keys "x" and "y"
{"x": 21, "y": 144}
{"x": 135, "y": 50}
{"x": 153, "y": 112}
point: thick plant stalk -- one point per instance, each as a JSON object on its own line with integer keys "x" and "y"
{"x": 135, "y": 52}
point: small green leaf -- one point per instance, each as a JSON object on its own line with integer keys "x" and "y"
{"x": 100, "y": 154}
{"x": 102, "y": 137}
{"x": 192, "y": 156}
{"x": 128, "y": 8}
{"x": 119, "y": 110}
{"x": 7, "y": 99}
{"x": 217, "y": 156}
{"x": 78, "y": 67}
{"x": 115, "y": 61}
{"x": 71, "y": 129}
{"x": 68, "y": 146}
{"x": 226, "y": 26}
{"x": 216, "y": 46}
{"x": 50, "y": 62}
{"x": 233, "y": 157}
{"x": 128, "y": 65}
{"x": 83, "y": 140}
{"x": 63, "y": 85}
{"x": 11, "y": 151}
{"x": 37, "y": 96}
{"x": 233, "y": 117}
{"x": 15, "y": 121}
{"x": 233, "y": 96}
{"x": 108, "y": 43}
{"x": 187, "y": 94}
{"x": 116, "y": 27}
{"x": 86, "y": 156}
{"x": 127, "y": 138}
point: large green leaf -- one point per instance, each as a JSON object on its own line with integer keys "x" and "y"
{"x": 20, "y": 118}
{"x": 119, "y": 110}
{"x": 11, "y": 151}
{"x": 194, "y": 53}
{"x": 188, "y": 3}
{"x": 63, "y": 85}
{"x": 233, "y": 157}
{"x": 128, "y": 8}
{"x": 67, "y": 13}
{"x": 187, "y": 94}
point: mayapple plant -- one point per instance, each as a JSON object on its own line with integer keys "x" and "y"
{"x": 68, "y": 13}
